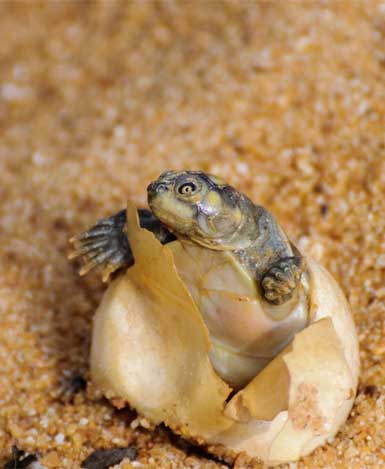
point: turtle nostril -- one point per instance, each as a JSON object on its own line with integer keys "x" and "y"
{"x": 161, "y": 188}
{"x": 157, "y": 188}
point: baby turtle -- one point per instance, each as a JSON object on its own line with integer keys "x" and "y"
{"x": 249, "y": 281}
{"x": 192, "y": 206}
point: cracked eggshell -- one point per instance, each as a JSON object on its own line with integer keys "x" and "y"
{"x": 150, "y": 347}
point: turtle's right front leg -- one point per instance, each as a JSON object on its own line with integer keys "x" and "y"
{"x": 106, "y": 243}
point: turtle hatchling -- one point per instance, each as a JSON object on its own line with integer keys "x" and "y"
{"x": 215, "y": 324}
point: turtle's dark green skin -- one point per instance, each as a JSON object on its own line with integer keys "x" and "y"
{"x": 196, "y": 207}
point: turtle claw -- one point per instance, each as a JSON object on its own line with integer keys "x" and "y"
{"x": 105, "y": 245}
{"x": 280, "y": 281}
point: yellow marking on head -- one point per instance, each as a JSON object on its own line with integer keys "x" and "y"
{"x": 238, "y": 215}
{"x": 214, "y": 199}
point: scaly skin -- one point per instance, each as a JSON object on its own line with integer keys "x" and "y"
{"x": 196, "y": 207}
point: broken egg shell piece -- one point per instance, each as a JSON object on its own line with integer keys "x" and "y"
{"x": 306, "y": 393}
{"x": 150, "y": 347}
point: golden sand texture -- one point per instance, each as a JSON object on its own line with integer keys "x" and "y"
{"x": 285, "y": 100}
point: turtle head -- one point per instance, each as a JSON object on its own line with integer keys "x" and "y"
{"x": 201, "y": 207}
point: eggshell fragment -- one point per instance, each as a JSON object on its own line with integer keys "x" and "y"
{"x": 150, "y": 347}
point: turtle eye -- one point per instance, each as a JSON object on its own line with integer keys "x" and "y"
{"x": 187, "y": 188}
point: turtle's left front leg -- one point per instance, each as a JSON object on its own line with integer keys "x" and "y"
{"x": 281, "y": 279}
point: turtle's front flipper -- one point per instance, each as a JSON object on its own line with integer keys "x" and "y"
{"x": 106, "y": 243}
{"x": 279, "y": 282}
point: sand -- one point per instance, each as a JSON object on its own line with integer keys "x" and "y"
{"x": 285, "y": 100}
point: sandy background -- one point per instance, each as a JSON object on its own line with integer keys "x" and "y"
{"x": 284, "y": 100}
